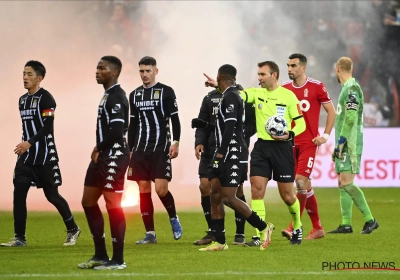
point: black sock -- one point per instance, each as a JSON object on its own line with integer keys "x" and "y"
{"x": 206, "y": 205}
{"x": 54, "y": 197}
{"x": 240, "y": 220}
{"x": 147, "y": 210}
{"x": 169, "y": 204}
{"x": 118, "y": 227}
{"x": 19, "y": 209}
{"x": 96, "y": 225}
{"x": 256, "y": 221}
{"x": 218, "y": 230}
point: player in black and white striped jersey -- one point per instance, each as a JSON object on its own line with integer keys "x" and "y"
{"x": 105, "y": 175}
{"x": 37, "y": 162}
{"x": 153, "y": 105}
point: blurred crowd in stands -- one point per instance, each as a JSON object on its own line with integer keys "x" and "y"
{"x": 366, "y": 31}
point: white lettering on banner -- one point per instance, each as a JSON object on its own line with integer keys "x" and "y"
{"x": 378, "y": 168}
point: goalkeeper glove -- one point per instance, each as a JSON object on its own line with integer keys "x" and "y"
{"x": 218, "y": 166}
{"x": 199, "y": 123}
{"x": 339, "y": 147}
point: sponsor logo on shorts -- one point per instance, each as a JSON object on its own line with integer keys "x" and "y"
{"x": 52, "y": 151}
{"x": 285, "y": 176}
{"x": 234, "y": 149}
{"x": 234, "y": 167}
{"x": 234, "y": 157}
{"x": 108, "y": 186}
{"x": 167, "y": 175}
{"x": 168, "y": 161}
{"x": 233, "y": 141}
{"x": 118, "y": 153}
{"x": 234, "y": 174}
{"x": 168, "y": 168}
{"x": 112, "y": 171}
{"x": 116, "y": 145}
{"x": 308, "y": 171}
{"x": 112, "y": 163}
{"x": 55, "y": 167}
{"x": 56, "y": 174}
{"x": 57, "y": 181}
{"x": 233, "y": 181}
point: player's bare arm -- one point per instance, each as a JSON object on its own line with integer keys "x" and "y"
{"x": 330, "y": 122}
{"x": 22, "y": 148}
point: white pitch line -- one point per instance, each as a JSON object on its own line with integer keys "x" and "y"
{"x": 359, "y": 272}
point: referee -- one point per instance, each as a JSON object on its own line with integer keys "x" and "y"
{"x": 37, "y": 162}
{"x": 272, "y": 156}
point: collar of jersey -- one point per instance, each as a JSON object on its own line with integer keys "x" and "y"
{"x": 112, "y": 87}
{"x": 348, "y": 81}
{"x": 34, "y": 92}
{"x": 150, "y": 87}
{"x": 227, "y": 89}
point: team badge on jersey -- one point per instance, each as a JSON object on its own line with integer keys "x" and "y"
{"x": 306, "y": 92}
{"x": 156, "y": 94}
{"x": 103, "y": 100}
{"x": 34, "y": 105}
{"x": 259, "y": 106}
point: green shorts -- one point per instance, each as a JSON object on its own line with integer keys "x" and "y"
{"x": 348, "y": 164}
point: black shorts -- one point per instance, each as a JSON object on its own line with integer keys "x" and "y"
{"x": 148, "y": 166}
{"x": 203, "y": 166}
{"x": 108, "y": 173}
{"x": 273, "y": 159}
{"x": 41, "y": 176}
{"x": 234, "y": 173}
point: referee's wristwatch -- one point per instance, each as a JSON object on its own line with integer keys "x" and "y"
{"x": 175, "y": 142}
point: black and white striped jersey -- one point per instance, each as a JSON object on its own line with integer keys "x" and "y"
{"x": 231, "y": 108}
{"x": 34, "y": 109}
{"x": 113, "y": 107}
{"x": 153, "y": 107}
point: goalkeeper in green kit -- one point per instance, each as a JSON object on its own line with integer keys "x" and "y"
{"x": 348, "y": 150}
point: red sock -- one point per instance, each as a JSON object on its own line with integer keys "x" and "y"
{"x": 312, "y": 209}
{"x": 302, "y": 197}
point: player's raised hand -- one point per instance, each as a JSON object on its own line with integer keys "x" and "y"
{"x": 210, "y": 81}
{"x": 198, "y": 150}
{"x": 173, "y": 151}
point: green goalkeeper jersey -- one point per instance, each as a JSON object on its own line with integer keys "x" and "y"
{"x": 349, "y": 120}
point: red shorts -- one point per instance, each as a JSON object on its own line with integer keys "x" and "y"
{"x": 304, "y": 156}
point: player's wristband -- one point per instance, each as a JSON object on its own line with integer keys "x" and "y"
{"x": 175, "y": 142}
{"x": 326, "y": 136}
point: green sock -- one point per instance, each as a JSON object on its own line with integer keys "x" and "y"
{"x": 359, "y": 199}
{"x": 294, "y": 210}
{"x": 258, "y": 206}
{"x": 346, "y": 206}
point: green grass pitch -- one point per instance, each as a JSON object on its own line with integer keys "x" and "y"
{"x": 46, "y": 258}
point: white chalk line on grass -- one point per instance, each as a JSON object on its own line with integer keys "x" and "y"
{"x": 132, "y": 274}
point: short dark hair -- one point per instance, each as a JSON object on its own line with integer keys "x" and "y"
{"x": 37, "y": 66}
{"x": 115, "y": 61}
{"x": 148, "y": 60}
{"x": 272, "y": 66}
{"x": 302, "y": 58}
{"x": 228, "y": 71}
